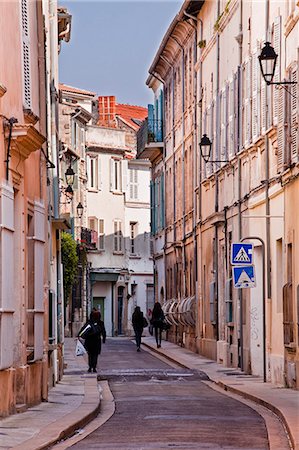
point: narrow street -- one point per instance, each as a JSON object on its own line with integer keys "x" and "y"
{"x": 159, "y": 406}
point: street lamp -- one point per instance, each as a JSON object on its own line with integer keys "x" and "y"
{"x": 267, "y": 60}
{"x": 80, "y": 210}
{"x": 205, "y": 146}
{"x": 69, "y": 192}
{"x": 69, "y": 176}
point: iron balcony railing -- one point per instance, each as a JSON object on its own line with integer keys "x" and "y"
{"x": 89, "y": 238}
{"x": 150, "y": 131}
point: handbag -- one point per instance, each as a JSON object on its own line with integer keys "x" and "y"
{"x": 165, "y": 325}
{"x": 144, "y": 324}
{"x": 80, "y": 349}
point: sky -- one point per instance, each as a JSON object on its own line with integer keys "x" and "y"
{"x": 113, "y": 44}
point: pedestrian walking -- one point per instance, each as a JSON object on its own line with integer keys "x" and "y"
{"x": 92, "y": 332}
{"x": 158, "y": 322}
{"x": 139, "y": 322}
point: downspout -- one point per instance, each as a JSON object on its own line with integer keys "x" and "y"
{"x": 239, "y": 141}
{"x": 267, "y": 172}
{"x": 216, "y": 265}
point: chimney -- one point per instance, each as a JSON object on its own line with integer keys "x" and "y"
{"x": 107, "y": 111}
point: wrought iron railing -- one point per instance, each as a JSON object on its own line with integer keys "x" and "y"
{"x": 89, "y": 238}
{"x": 150, "y": 131}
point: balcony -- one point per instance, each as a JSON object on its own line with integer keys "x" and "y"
{"x": 150, "y": 139}
{"x": 89, "y": 238}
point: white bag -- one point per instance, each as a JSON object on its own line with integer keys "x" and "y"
{"x": 80, "y": 349}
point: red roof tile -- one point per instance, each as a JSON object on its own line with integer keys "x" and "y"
{"x": 65, "y": 87}
{"x": 129, "y": 112}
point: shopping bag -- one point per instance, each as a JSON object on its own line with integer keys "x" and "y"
{"x": 80, "y": 350}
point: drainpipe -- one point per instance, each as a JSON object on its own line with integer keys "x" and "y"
{"x": 216, "y": 179}
{"x": 239, "y": 139}
{"x": 267, "y": 171}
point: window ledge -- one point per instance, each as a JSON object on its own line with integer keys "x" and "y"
{"x": 118, "y": 253}
{"x": 117, "y": 192}
{"x": 92, "y": 190}
{"x": 131, "y": 256}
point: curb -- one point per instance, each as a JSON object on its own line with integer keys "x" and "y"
{"x": 68, "y": 424}
{"x": 245, "y": 395}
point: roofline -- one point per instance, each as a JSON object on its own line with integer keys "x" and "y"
{"x": 178, "y": 17}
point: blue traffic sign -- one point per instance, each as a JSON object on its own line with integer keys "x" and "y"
{"x": 241, "y": 253}
{"x": 244, "y": 277}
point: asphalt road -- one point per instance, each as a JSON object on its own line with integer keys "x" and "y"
{"x": 159, "y": 406}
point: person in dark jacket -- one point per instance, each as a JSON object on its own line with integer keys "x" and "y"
{"x": 92, "y": 332}
{"x": 138, "y": 321}
{"x": 157, "y": 322}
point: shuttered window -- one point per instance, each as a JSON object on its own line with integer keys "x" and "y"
{"x": 115, "y": 175}
{"x": 281, "y": 128}
{"x": 256, "y": 96}
{"x": 101, "y": 235}
{"x": 133, "y": 184}
{"x": 247, "y": 102}
{"x": 7, "y": 273}
{"x": 276, "y": 41}
{"x": 294, "y": 112}
{"x": 26, "y": 54}
{"x": 117, "y": 236}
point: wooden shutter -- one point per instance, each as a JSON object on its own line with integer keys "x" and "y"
{"x": 281, "y": 128}
{"x": 222, "y": 124}
{"x": 255, "y": 96}
{"x": 39, "y": 252}
{"x": 112, "y": 178}
{"x": 277, "y": 74}
{"x": 294, "y": 111}
{"x": 26, "y": 55}
{"x": 231, "y": 113}
{"x": 101, "y": 235}
{"x": 246, "y": 105}
{"x": 7, "y": 273}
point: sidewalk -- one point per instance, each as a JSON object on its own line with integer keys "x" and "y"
{"x": 72, "y": 403}
{"x": 283, "y": 402}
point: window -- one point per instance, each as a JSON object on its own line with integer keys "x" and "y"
{"x": 117, "y": 236}
{"x": 101, "y": 235}
{"x": 133, "y": 234}
{"x": 115, "y": 175}
{"x": 93, "y": 226}
{"x": 133, "y": 184}
{"x": 94, "y": 174}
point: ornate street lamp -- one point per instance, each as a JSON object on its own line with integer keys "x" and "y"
{"x": 267, "y": 60}
{"x": 80, "y": 210}
{"x": 69, "y": 176}
{"x": 69, "y": 192}
{"x": 205, "y": 146}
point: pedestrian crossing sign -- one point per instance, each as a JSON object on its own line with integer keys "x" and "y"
{"x": 244, "y": 277}
{"x": 241, "y": 253}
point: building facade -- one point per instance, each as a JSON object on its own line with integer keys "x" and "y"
{"x": 118, "y": 215}
{"x": 26, "y": 352}
{"x": 244, "y": 189}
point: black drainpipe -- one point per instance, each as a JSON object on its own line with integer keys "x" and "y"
{"x": 11, "y": 122}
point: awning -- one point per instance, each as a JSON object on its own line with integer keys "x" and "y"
{"x": 100, "y": 276}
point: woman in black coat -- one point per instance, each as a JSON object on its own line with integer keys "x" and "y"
{"x": 92, "y": 331}
{"x": 158, "y": 321}
{"x": 138, "y": 321}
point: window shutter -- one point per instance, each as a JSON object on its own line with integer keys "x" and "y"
{"x": 247, "y": 107}
{"x": 39, "y": 249}
{"x": 237, "y": 89}
{"x": 222, "y": 123}
{"x": 26, "y": 55}
{"x": 230, "y": 115}
{"x": 152, "y": 194}
{"x": 277, "y": 74}
{"x": 100, "y": 181}
{"x": 255, "y": 96}
{"x": 112, "y": 180}
{"x": 101, "y": 235}
{"x": 7, "y": 270}
{"x": 209, "y": 125}
{"x": 281, "y": 132}
{"x": 162, "y": 201}
{"x": 294, "y": 111}
{"x": 123, "y": 171}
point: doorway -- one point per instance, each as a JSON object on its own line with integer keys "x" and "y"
{"x": 98, "y": 303}
{"x": 120, "y": 303}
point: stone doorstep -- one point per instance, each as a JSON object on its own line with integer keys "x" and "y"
{"x": 228, "y": 387}
{"x": 67, "y": 425}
